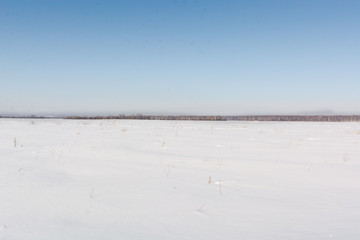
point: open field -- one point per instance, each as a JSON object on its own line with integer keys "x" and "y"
{"x": 128, "y": 179}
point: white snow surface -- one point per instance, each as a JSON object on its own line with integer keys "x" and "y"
{"x": 124, "y": 179}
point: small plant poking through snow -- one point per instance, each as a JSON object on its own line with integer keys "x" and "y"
{"x": 15, "y": 143}
{"x": 220, "y": 189}
{"x": 200, "y": 209}
{"x": 91, "y": 194}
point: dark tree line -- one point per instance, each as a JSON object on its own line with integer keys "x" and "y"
{"x": 152, "y": 117}
{"x": 301, "y": 118}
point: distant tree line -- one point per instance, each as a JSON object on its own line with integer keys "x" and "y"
{"x": 152, "y": 117}
{"x": 30, "y": 116}
{"x": 300, "y": 118}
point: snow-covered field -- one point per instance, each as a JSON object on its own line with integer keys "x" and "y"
{"x": 67, "y": 179}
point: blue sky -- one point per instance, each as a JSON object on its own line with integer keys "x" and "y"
{"x": 179, "y": 57}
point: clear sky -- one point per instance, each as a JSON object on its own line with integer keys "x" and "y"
{"x": 179, "y": 56}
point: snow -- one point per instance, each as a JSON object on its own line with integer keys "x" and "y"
{"x": 123, "y": 179}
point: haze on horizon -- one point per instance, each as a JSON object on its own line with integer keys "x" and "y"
{"x": 179, "y": 57}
